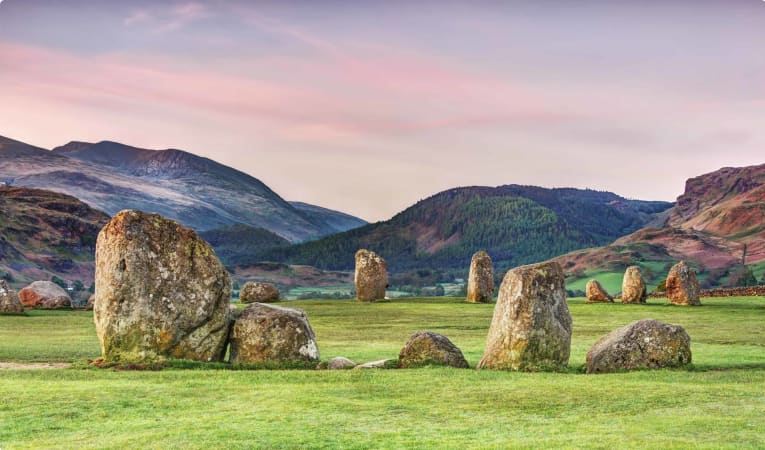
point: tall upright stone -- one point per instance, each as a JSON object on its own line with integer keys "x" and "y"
{"x": 160, "y": 292}
{"x": 531, "y": 327}
{"x": 9, "y": 300}
{"x": 371, "y": 277}
{"x": 633, "y": 286}
{"x": 596, "y": 293}
{"x": 683, "y": 285}
{"x": 480, "y": 286}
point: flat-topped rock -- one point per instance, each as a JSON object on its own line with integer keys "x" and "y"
{"x": 253, "y": 291}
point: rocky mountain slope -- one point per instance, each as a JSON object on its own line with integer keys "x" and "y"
{"x": 196, "y": 191}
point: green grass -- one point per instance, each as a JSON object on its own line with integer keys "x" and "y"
{"x": 719, "y": 402}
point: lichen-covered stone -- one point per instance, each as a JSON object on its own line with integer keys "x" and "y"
{"x": 272, "y": 334}
{"x": 633, "y": 286}
{"x": 340, "y": 363}
{"x": 371, "y": 277}
{"x": 258, "y": 292}
{"x": 646, "y": 344}
{"x": 160, "y": 292}
{"x": 531, "y": 327}
{"x": 9, "y": 300}
{"x": 426, "y": 348}
{"x": 596, "y": 293}
{"x": 480, "y": 285}
{"x": 683, "y": 286}
{"x": 45, "y": 295}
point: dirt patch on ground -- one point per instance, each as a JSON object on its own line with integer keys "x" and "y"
{"x": 33, "y": 366}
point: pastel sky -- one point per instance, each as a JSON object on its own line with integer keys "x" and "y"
{"x": 367, "y": 107}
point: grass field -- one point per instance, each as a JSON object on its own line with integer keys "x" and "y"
{"x": 719, "y": 402}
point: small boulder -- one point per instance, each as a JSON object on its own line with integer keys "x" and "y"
{"x": 683, "y": 286}
{"x": 531, "y": 327}
{"x": 633, "y": 286}
{"x": 380, "y": 364}
{"x": 340, "y": 363}
{"x": 9, "y": 300}
{"x": 425, "y": 348}
{"x": 45, "y": 295}
{"x": 91, "y": 302}
{"x": 253, "y": 292}
{"x": 480, "y": 286}
{"x": 646, "y": 344}
{"x": 596, "y": 293}
{"x": 273, "y": 334}
{"x": 371, "y": 277}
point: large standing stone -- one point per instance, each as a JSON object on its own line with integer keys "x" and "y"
{"x": 160, "y": 292}
{"x": 531, "y": 328}
{"x": 633, "y": 286}
{"x": 273, "y": 334}
{"x": 596, "y": 293}
{"x": 45, "y": 295}
{"x": 683, "y": 286}
{"x": 646, "y": 344}
{"x": 9, "y": 300}
{"x": 371, "y": 277}
{"x": 253, "y": 292}
{"x": 425, "y": 347}
{"x": 480, "y": 286}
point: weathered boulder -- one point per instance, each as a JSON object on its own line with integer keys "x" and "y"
{"x": 258, "y": 292}
{"x": 646, "y": 344}
{"x": 340, "y": 363}
{"x": 9, "y": 300}
{"x": 371, "y": 277}
{"x": 160, "y": 292}
{"x": 633, "y": 286}
{"x": 272, "y": 334}
{"x": 425, "y": 347}
{"x": 683, "y": 286}
{"x": 91, "y": 302}
{"x": 379, "y": 364}
{"x": 45, "y": 295}
{"x": 480, "y": 286}
{"x": 531, "y": 328}
{"x": 596, "y": 293}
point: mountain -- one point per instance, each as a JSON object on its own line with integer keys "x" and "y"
{"x": 717, "y": 225}
{"x": 235, "y": 243}
{"x": 44, "y": 233}
{"x": 339, "y": 221}
{"x": 196, "y": 191}
{"x": 515, "y": 224}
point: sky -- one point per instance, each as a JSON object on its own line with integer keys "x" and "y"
{"x": 368, "y": 107}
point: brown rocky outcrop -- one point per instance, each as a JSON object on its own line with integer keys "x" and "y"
{"x": 480, "y": 285}
{"x": 45, "y": 295}
{"x": 160, "y": 292}
{"x": 633, "y": 286}
{"x": 531, "y": 327}
{"x": 253, "y": 292}
{"x": 646, "y": 344}
{"x": 683, "y": 286}
{"x": 427, "y": 348}
{"x": 9, "y": 300}
{"x": 596, "y": 293}
{"x": 371, "y": 277}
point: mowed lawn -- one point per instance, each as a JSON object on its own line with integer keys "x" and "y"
{"x": 719, "y": 402}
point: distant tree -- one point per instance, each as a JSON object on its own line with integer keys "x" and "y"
{"x": 662, "y": 287}
{"x": 59, "y": 282}
{"x": 78, "y": 286}
{"x": 741, "y": 276}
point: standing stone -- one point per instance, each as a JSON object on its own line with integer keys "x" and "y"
{"x": 633, "y": 286}
{"x": 596, "y": 293}
{"x": 160, "y": 292}
{"x": 480, "y": 287}
{"x": 531, "y": 328}
{"x": 425, "y": 347}
{"x": 258, "y": 292}
{"x": 45, "y": 295}
{"x": 683, "y": 286}
{"x": 371, "y": 277}
{"x": 645, "y": 344}
{"x": 273, "y": 334}
{"x": 9, "y": 300}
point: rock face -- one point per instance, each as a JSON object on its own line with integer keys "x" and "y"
{"x": 371, "y": 277}
{"x": 596, "y": 293}
{"x": 683, "y": 286}
{"x": 646, "y": 344}
{"x": 531, "y": 328}
{"x": 633, "y": 286}
{"x": 45, "y": 295}
{"x": 340, "y": 363}
{"x": 160, "y": 292}
{"x": 9, "y": 300}
{"x": 425, "y": 347}
{"x": 258, "y": 292}
{"x": 273, "y": 334}
{"x": 480, "y": 287}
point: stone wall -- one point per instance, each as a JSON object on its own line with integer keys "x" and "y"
{"x": 752, "y": 291}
